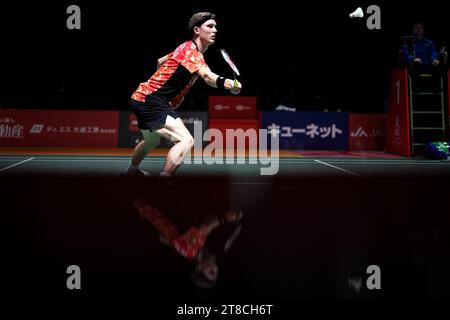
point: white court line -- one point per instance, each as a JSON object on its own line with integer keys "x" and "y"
{"x": 371, "y": 163}
{"x": 160, "y": 160}
{"x": 223, "y": 157}
{"x": 289, "y": 160}
{"x": 324, "y": 163}
{"x": 391, "y": 163}
{"x": 235, "y": 162}
{"x": 103, "y": 158}
{"x": 12, "y": 158}
{"x": 16, "y": 164}
{"x": 94, "y": 160}
{"x": 281, "y": 160}
{"x": 375, "y": 161}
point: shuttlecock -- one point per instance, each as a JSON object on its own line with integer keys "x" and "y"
{"x": 358, "y": 13}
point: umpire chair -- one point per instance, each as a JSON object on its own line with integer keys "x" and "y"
{"x": 427, "y": 102}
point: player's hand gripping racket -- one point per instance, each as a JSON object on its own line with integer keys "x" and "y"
{"x": 233, "y": 67}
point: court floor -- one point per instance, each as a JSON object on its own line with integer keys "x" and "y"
{"x": 302, "y": 163}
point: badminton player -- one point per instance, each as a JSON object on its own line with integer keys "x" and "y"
{"x": 192, "y": 243}
{"x": 154, "y": 101}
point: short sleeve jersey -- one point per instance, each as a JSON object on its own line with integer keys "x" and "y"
{"x": 173, "y": 80}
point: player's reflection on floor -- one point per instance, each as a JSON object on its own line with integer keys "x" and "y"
{"x": 193, "y": 243}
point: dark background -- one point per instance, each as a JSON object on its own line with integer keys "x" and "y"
{"x": 302, "y": 238}
{"x": 310, "y": 52}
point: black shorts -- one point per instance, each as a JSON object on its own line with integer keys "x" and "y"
{"x": 152, "y": 114}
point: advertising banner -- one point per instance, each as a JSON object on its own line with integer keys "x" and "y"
{"x": 367, "y": 131}
{"x": 235, "y": 133}
{"x": 58, "y": 128}
{"x": 230, "y": 107}
{"x": 398, "y": 137}
{"x": 448, "y": 99}
{"x": 307, "y": 130}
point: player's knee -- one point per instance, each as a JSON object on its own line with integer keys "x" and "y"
{"x": 188, "y": 141}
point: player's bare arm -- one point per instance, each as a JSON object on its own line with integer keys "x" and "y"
{"x": 161, "y": 61}
{"x": 211, "y": 79}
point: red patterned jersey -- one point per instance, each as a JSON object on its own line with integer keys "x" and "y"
{"x": 172, "y": 81}
{"x": 188, "y": 244}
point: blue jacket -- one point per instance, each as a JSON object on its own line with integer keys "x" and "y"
{"x": 423, "y": 49}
